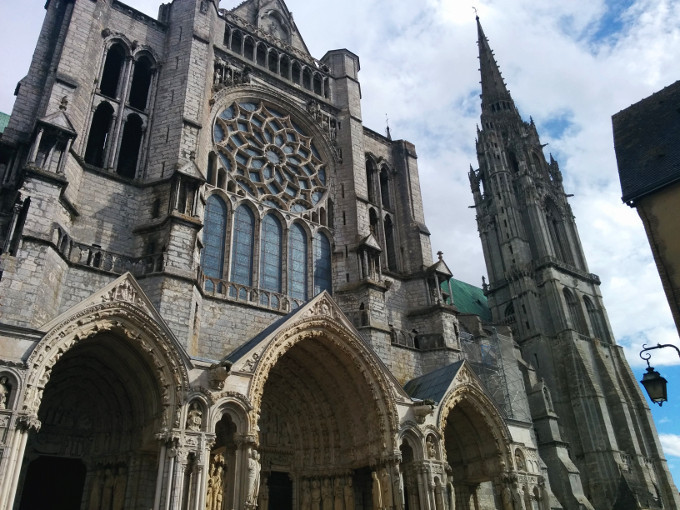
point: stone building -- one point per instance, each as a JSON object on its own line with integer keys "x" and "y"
{"x": 218, "y": 291}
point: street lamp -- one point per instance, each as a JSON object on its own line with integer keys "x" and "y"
{"x": 652, "y": 380}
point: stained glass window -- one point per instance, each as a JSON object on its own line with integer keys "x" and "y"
{"x": 297, "y": 263}
{"x": 269, "y": 156}
{"x": 270, "y": 254}
{"x": 322, "y": 263}
{"x": 242, "y": 252}
{"x": 215, "y": 223}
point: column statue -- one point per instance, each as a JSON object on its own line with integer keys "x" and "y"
{"x": 377, "y": 492}
{"x": 253, "y": 476}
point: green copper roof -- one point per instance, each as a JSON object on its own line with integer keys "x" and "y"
{"x": 469, "y": 299}
{"x": 4, "y": 119}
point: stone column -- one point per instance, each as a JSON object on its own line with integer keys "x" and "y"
{"x": 159, "y": 476}
{"x": 36, "y": 145}
{"x": 423, "y": 489}
{"x": 24, "y": 425}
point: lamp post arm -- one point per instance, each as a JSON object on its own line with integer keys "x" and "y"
{"x": 645, "y": 355}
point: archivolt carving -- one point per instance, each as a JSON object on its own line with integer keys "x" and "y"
{"x": 322, "y": 328}
{"x": 125, "y": 320}
{"x": 486, "y": 409}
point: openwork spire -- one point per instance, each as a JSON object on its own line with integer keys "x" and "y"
{"x": 495, "y": 95}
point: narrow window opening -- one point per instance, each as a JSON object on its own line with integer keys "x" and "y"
{"x": 307, "y": 79}
{"x": 384, "y": 187}
{"x": 113, "y": 67}
{"x": 261, "y": 55}
{"x": 317, "y": 84}
{"x": 99, "y": 134}
{"x": 248, "y": 49}
{"x": 273, "y": 61}
{"x": 236, "y": 42}
{"x": 285, "y": 67}
{"x": 129, "y": 146}
{"x": 296, "y": 73}
{"x": 141, "y": 82}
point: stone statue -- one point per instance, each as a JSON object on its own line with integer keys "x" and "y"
{"x": 338, "y": 496}
{"x": 348, "y": 493}
{"x": 306, "y": 503}
{"x": 517, "y": 499}
{"x": 218, "y": 488}
{"x": 253, "y": 477}
{"x": 377, "y": 492}
{"x": 107, "y": 492}
{"x": 398, "y": 490}
{"x": 210, "y": 492}
{"x": 386, "y": 487}
{"x": 316, "y": 494}
{"x": 431, "y": 448}
{"x": 194, "y": 417}
{"x": 548, "y": 399}
{"x": 95, "y": 492}
{"x": 4, "y": 392}
{"x": 326, "y": 495}
{"x": 506, "y": 498}
{"x": 119, "y": 490}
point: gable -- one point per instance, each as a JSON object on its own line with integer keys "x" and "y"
{"x": 274, "y": 22}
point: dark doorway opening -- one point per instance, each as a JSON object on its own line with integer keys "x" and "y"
{"x": 53, "y": 482}
{"x": 280, "y": 491}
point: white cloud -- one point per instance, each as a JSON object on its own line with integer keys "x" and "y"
{"x": 670, "y": 444}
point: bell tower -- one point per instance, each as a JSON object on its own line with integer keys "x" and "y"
{"x": 540, "y": 286}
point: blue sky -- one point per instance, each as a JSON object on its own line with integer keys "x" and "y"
{"x": 569, "y": 65}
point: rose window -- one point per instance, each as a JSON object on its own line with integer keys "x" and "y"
{"x": 269, "y": 156}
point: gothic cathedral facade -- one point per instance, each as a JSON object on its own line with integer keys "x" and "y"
{"x": 218, "y": 292}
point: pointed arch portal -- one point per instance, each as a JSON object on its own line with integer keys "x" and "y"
{"x": 103, "y": 384}
{"x": 324, "y": 416}
{"x": 477, "y": 442}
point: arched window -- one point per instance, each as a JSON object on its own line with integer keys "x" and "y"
{"x": 373, "y": 221}
{"x": 129, "y": 146}
{"x": 385, "y": 187}
{"x": 261, "y": 55}
{"x": 578, "y": 324}
{"x": 113, "y": 66}
{"x": 389, "y": 244}
{"x": 99, "y": 134}
{"x": 297, "y": 263}
{"x": 285, "y": 66}
{"x": 236, "y": 41}
{"x": 596, "y": 320}
{"x": 248, "y": 48}
{"x": 296, "y": 73}
{"x": 141, "y": 82}
{"x": 307, "y": 78}
{"x": 214, "y": 233}
{"x": 273, "y": 61}
{"x": 557, "y": 233}
{"x": 242, "y": 252}
{"x": 370, "y": 181}
{"x": 322, "y": 263}
{"x": 270, "y": 254}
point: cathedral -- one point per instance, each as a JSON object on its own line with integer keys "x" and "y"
{"x": 217, "y": 291}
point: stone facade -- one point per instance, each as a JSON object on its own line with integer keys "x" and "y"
{"x": 218, "y": 292}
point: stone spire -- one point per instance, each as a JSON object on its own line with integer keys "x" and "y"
{"x": 495, "y": 95}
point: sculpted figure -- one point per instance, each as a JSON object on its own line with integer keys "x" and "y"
{"x": 107, "y": 493}
{"x": 306, "y": 503}
{"x": 194, "y": 417}
{"x": 506, "y": 498}
{"x": 119, "y": 490}
{"x": 95, "y": 492}
{"x": 326, "y": 495}
{"x": 316, "y": 495}
{"x": 210, "y": 492}
{"x": 431, "y": 448}
{"x": 4, "y": 392}
{"x": 253, "y": 476}
{"x": 348, "y": 492}
{"x": 517, "y": 499}
{"x": 377, "y": 492}
{"x": 337, "y": 493}
{"x": 218, "y": 488}
{"x": 386, "y": 486}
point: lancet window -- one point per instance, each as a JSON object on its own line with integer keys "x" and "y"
{"x": 120, "y": 116}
